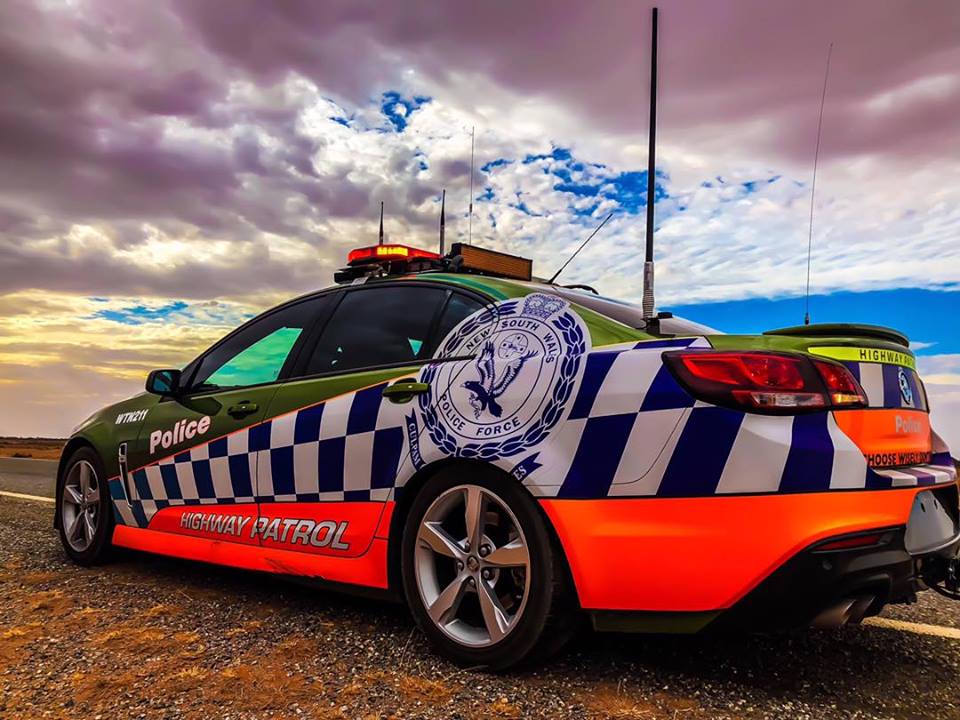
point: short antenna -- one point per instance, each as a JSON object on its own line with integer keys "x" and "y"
{"x": 813, "y": 186}
{"x": 443, "y": 206}
{"x": 649, "y": 311}
{"x": 582, "y": 246}
{"x": 381, "y": 223}
{"x": 470, "y": 217}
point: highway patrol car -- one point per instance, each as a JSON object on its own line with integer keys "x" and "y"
{"x": 509, "y": 455}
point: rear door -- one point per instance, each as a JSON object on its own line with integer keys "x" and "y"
{"x": 195, "y": 449}
{"x": 335, "y": 441}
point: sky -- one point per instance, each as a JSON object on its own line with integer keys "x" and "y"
{"x": 171, "y": 168}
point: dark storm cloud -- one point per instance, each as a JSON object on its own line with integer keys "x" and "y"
{"x": 84, "y": 136}
{"x": 181, "y": 115}
{"x": 724, "y": 64}
{"x": 247, "y": 270}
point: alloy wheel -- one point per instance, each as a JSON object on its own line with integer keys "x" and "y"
{"x": 472, "y": 566}
{"x": 80, "y": 509}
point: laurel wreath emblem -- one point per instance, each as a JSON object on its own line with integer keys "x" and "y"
{"x": 572, "y": 333}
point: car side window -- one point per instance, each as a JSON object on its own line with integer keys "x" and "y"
{"x": 377, "y": 326}
{"x": 458, "y": 308}
{"x": 258, "y": 353}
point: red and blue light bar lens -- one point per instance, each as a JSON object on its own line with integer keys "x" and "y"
{"x": 390, "y": 252}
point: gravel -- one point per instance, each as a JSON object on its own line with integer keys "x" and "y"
{"x": 148, "y": 637}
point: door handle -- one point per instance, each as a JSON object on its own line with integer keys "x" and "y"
{"x": 242, "y": 409}
{"x": 404, "y": 390}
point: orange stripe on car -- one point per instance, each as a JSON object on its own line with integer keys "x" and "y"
{"x": 702, "y": 554}
{"x": 368, "y": 570}
{"x": 887, "y": 435}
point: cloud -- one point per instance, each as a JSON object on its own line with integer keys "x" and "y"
{"x": 941, "y": 378}
{"x": 169, "y": 152}
{"x": 63, "y": 356}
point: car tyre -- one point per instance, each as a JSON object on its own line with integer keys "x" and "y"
{"x": 486, "y": 625}
{"x": 84, "y": 510}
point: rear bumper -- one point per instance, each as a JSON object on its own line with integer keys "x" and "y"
{"x": 700, "y": 559}
{"x": 812, "y": 582}
{"x": 809, "y": 587}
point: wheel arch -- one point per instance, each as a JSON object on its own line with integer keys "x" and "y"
{"x": 409, "y": 491}
{"x": 73, "y": 444}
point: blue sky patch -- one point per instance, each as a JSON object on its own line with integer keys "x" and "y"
{"x": 139, "y": 314}
{"x": 921, "y": 314}
{"x": 499, "y": 162}
{"x": 398, "y": 108}
{"x": 593, "y": 180}
{"x": 560, "y": 154}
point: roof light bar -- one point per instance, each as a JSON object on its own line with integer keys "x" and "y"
{"x": 376, "y": 253}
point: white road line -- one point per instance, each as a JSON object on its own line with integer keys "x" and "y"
{"x": 918, "y": 628}
{"x": 22, "y": 496}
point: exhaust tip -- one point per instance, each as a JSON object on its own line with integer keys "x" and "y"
{"x": 846, "y": 612}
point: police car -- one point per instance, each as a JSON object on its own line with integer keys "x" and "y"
{"x": 509, "y": 455}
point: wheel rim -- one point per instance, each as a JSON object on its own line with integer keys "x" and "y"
{"x": 80, "y": 509}
{"x": 472, "y": 565}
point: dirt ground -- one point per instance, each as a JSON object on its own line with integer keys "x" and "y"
{"x": 37, "y": 448}
{"x": 148, "y": 637}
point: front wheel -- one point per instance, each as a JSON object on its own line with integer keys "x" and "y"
{"x": 481, "y": 572}
{"x": 84, "y": 513}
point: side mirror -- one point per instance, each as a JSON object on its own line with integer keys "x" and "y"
{"x": 163, "y": 382}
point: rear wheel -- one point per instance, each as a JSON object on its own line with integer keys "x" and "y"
{"x": 481, "y": 572}
{"x": 83, "y": 509}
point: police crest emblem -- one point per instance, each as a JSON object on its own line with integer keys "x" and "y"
{"x": 526, "y": 361}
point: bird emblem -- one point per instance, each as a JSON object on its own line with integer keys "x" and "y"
{"x": 485, "y": 391}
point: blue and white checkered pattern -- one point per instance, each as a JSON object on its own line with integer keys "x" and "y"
{"x": 940, "y": 469}
{"x": 347, "y": 448}
{"x": 881, "y": 383}
{"x": 629, "y": 430}
{"x": 625, "y": 412}
{"x": 638, "y": 433}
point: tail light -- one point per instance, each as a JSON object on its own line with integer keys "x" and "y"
{"x": 765, "y": 382}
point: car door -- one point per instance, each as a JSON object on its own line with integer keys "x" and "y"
{"x": 335, "y": 440}
{"x": 196, "y": 448}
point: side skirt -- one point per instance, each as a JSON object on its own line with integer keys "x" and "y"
{"x": 369, "y": 570}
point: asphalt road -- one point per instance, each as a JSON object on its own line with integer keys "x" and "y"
{"x": 157, "y": 638}
{"x": 24, "y": 475}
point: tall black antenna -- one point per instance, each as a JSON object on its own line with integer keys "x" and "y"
{"x": 470, "y": 219}
{"x": 443, "y": 206}
{"x": 813, "y": 187}
{"x": 381, "y": 223}
{"x": 649, "y": 311}
{"x": 582, "y": 246}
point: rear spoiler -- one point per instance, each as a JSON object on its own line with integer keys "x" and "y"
{"x": 877, "y": 332}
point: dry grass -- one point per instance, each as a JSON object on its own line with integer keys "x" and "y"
{"x": 162, "y": 611}
{"x": 15, "y": 643}
{"x": 38, "y": 578}
{"x": 168, "y": 665}
{"x": 49, "y": 604}
{"x": 503, "y": 709}
{"x": 262, "y": 681}
{"x": 615, "y": 703}
{"x": 405, "y": 687}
